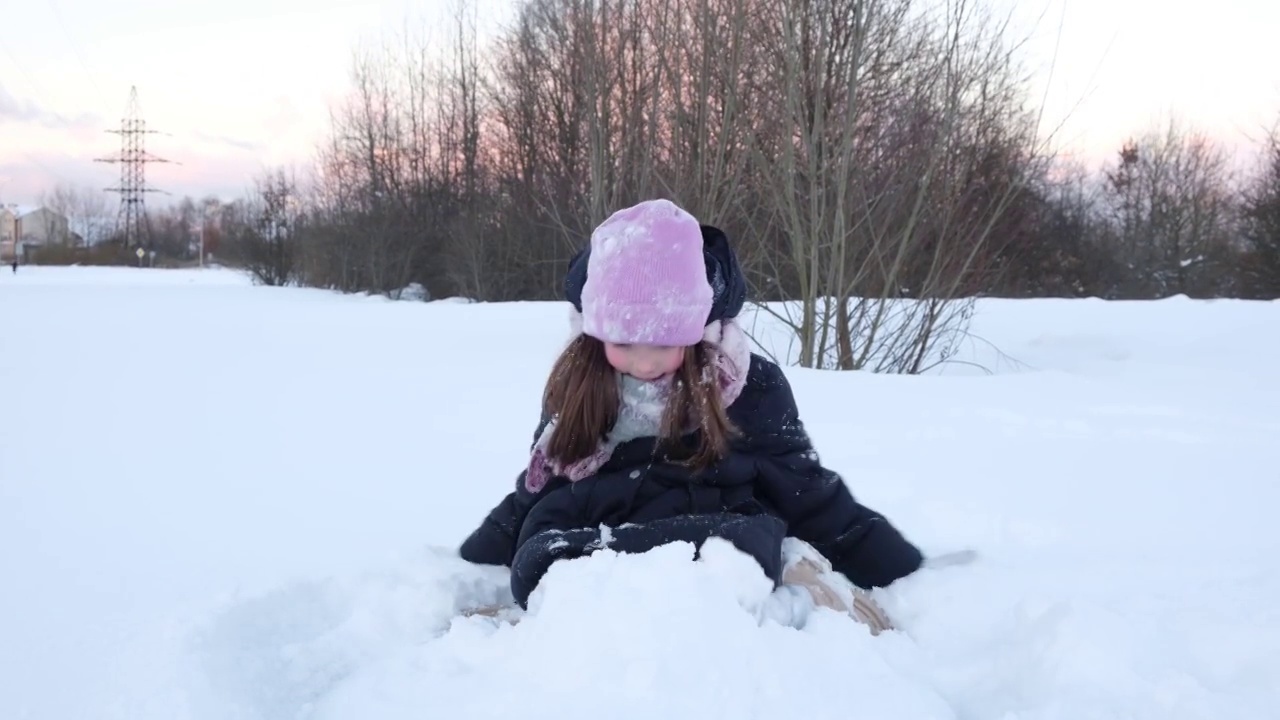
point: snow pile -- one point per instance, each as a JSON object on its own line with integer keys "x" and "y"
{"x": 640, "y": 637}
{"x": 226, "y": 501}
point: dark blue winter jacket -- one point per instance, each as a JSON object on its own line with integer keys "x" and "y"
{"x": 770, "y": 485}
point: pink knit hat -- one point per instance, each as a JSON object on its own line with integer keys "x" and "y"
{"x": 647, "y": 278}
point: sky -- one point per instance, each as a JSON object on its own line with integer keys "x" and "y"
{"x": 237, "y": 86}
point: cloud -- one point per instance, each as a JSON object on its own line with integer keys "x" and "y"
{"x": 26, "y": 111}
{"x": 23, "y": 180}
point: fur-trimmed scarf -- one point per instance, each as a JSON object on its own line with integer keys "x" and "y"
{"x": 643, "y": 404}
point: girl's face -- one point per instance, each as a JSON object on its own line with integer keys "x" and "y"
{"x": 644, "y": 362}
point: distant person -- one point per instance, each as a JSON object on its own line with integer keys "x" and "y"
{"x": 15, "y": 266}
{"x": 660, "y": 424}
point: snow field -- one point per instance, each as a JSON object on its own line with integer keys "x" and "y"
{"x": 227, "y": 501}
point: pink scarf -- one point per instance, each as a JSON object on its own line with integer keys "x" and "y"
{"x": 643, "y": 404}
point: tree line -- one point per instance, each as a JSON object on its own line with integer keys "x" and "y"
{"x": 879, "y": 162}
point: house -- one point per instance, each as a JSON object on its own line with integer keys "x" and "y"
{"x": 28, "y": 228}
{"x": 8, "y": 218}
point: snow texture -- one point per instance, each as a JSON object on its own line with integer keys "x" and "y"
{"x": 226, "y": 501}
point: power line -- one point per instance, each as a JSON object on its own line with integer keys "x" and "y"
{"x": 37, "y": 90}
{"x": 75, "y": 47}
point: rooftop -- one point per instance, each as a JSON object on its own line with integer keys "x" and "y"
{"x": 19, "y": 210}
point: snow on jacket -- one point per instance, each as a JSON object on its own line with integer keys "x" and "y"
{"x": 769, "y": 486}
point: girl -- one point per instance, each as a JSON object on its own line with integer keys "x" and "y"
{"x": 660, "y": 425}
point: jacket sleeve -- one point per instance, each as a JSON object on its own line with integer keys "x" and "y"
{"x": 494, "y": 541}
{"x": 814, "y": 501}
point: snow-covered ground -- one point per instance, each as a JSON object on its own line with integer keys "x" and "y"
{"x": 222, "y": 501}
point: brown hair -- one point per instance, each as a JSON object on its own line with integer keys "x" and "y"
{"x": 582, "y": 394}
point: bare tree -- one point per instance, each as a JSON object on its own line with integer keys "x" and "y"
{"x": 471, "y": 256}
{"x": 89, "y": 215}
{"x": 1261, "y": 211}
{"x": 898, "y": 150}
{"x": 1060, "y": 249}
{"x": 1171, "y": 213}
{"x": 707, "y": 64}
{"x": 262, "y": 228}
